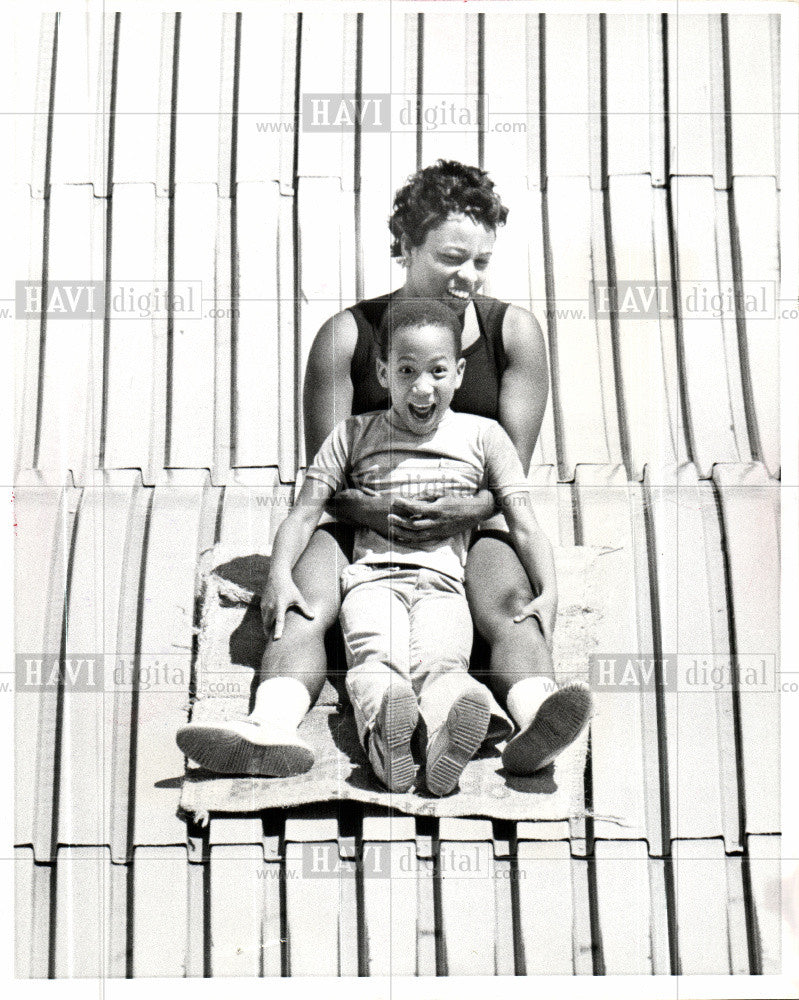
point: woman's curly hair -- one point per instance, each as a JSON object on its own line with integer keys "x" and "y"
{"x": 432, "y": 193}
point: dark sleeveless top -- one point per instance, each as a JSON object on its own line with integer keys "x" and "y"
{"x": 485, "y": 359}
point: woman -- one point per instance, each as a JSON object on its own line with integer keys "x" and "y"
{"x": 444, "y": 227}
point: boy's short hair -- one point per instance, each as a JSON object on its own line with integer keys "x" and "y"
{"x": 412, "y": 314}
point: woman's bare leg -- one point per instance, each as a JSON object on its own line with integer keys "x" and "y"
{"x": 300, "y": 653}
{"x": 548, "y": 718}
{"x": 292, "y": 674}
{"x": 497, "y": 589}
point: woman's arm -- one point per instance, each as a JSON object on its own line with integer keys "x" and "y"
{"x": 424, "y": 520}
{"x": 525, "y": 382}
{"x": 326, "y": 400}
{"x": 535, "y": 554}
{"x": 280, "y": 592}
{"x": 327, "y": 390}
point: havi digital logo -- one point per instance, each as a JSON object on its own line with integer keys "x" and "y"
{"x": 60, "y": 299}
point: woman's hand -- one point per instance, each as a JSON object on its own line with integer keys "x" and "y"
{"x": 544, "y": 609}
{"x": 417, "y": 520}
{"x": 423, "y": 520}
{"x": 280, "y": 594}
{"x": 364, "y": 508}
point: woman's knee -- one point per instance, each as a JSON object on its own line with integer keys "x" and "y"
{"x": 493, "y": 610}
{"x": 325, "y": 612}
{"x": 317, "y": 574}
{"x": 494, "y": 616}
{"x": 497, "y": 586}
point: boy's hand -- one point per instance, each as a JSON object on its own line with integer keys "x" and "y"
{"x": 544, "y": 609}
{"x": 279, "y": 595}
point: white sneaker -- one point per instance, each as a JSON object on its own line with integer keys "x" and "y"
{"x": 457, "y": 741}
{"x": 390, "y": 740}
{"x": 246, "y": 747}
{"x": 557, "y": 724}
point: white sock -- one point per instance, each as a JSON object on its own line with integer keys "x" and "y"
{"x": 282, "y": 700}
{"x": 527, "y": 696}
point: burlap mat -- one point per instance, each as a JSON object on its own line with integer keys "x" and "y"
{"x": 230, "y": 646}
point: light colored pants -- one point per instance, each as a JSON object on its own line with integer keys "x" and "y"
{"x": 411, "y": 625}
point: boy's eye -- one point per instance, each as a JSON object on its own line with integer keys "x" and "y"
{"x": 405, "y": 370}
{"x": 481, "y": 264}
{"x": 440, "y": 372}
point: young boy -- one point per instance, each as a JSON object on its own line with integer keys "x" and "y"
{"x": 404, "y": 615}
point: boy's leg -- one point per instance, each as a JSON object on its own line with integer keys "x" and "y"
{"x": 375, "y": 624}
{"x": 374, "y": 621}
{"x": 455, "y": 706}
{"x": 521, "y": 670}
{"x": 293, "y": 672}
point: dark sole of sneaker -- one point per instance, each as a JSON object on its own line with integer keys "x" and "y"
{"x": 396, "y": 730}
{"x": 465, "y": 730}
{"x": 560, "y": 720}
{"x": 224, "y": 752}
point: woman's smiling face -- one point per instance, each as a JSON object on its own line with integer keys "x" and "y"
{"x": 451, "y": 263}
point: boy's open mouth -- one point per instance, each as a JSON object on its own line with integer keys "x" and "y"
{"x": 422, "y": 413}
